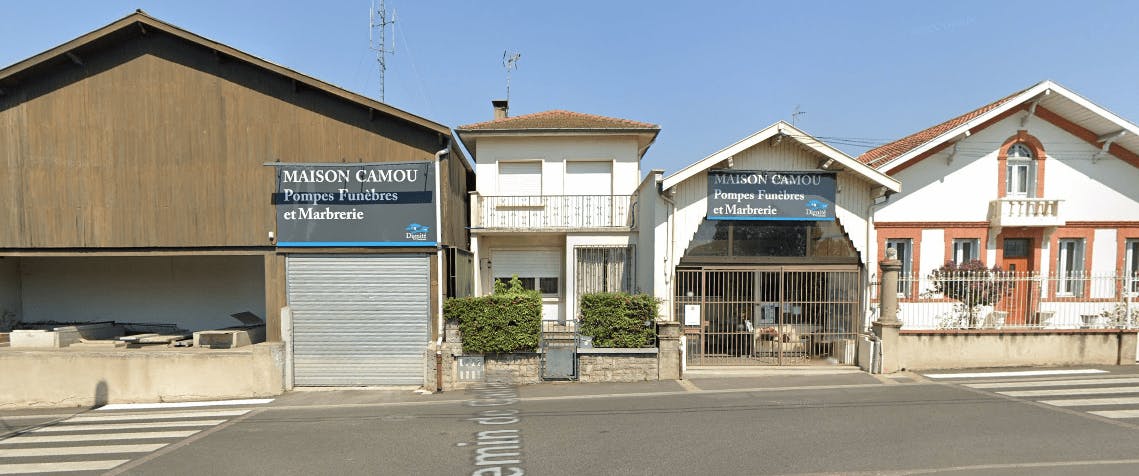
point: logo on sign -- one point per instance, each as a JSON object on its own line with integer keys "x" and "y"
{"x": 417, "y": 232}
{"x": 816, "y": 208}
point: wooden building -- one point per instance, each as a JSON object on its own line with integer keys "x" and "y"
{"x": 141, "y": 172}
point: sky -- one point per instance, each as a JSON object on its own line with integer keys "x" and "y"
{"x": 709, "y": 74}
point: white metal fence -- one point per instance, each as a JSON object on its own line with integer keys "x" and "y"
{"x": 993, "y": 300}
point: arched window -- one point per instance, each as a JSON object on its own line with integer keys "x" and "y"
{"x": 1021, "y": 173}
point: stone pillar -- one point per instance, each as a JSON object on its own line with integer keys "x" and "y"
{"x": 888, "y": 325}
{"x": 668, "y": 350}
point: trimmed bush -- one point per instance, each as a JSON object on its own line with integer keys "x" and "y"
{"x": 510, "y": 320}
{"x": 619, "y": 319}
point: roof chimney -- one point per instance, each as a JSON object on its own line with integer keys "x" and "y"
{"x": 501, "y": 108}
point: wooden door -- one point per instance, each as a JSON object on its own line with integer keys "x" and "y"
{"x": 1017, "y": 261}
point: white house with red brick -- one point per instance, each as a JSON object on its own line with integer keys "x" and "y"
{"x": 1042, "y": 182}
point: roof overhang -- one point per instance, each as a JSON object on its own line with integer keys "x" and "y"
{"x": 782, "y": 129}
{"x": 645, "y": 137}
{"x": 1046, "y": 100}
{"x": 146, "y": 23}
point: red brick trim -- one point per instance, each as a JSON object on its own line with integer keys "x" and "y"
{"x": 974, "y": 130}
{"x": 979, "y": 233}
{"x": 932, "y": 224}
{"x": 1086, "y": 135}
{"x": 1021, "y": 136}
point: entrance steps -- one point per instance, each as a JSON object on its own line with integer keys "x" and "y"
{"x": 705, "y": 371}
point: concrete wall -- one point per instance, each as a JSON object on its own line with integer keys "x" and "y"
{"x": 194, "y": 292}
{"x": 617, "y": 367}
{"x": 83, "y": 378}
{"x": 984, "y": 348}
{"x": 554, "y": 152}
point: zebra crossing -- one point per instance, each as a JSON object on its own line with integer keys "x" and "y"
{"x": 1105, "y": 395}
{"x": 111, "y": 436}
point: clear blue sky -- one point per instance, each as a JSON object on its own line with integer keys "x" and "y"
{"x": 708, "y": 73}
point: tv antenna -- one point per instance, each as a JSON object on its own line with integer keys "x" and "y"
{"x": 378, "y": 22}
{"x": 795, "y": 116}
{"x": 510, "y": 62}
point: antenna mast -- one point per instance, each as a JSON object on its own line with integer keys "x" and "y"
{"x": 510, "y": 62}
{"x": 795, "y": 116}
{"x": 378, "y": 22}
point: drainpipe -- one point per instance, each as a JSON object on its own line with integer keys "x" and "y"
{"x": 671, "y": 224}
{"x": 439, "y": 263}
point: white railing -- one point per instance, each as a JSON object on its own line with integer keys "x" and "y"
{"x": 1007, "y": 212}
{"x": 529, "y": 212}
{"x": 990, "y": 300}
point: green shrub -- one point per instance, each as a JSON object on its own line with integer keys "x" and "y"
{"x": 619, "y": 319}
{"x": 510, "y": 320}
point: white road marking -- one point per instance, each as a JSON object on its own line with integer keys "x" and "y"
{"x": 137, "y": 435}
{"x": 1054, "y": 383}
{"x": 1020, "y": 373}
{"x": 1087, "y": 402}
{"x": 155, "y": 415}
{"x": 1117, "y": 413}
{"x": 128, "y": 426}
{"x": 1070, "y": 391}
{"x": 78, "y": 450}
{"x": 215, "y": 403}
{"x": 59, "y": 467}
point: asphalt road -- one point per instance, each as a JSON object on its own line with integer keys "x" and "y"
{"x": 839, "y": 424}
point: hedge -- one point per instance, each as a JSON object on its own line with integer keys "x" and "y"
{"x": 619, "y": 319}
{"x": 510, "y": 320}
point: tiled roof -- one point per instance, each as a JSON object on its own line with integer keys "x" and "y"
{"x": 557, "y": 119}
{"x": 883, "y": 154}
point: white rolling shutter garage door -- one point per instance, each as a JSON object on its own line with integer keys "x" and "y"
{"x": 359, "y": 320}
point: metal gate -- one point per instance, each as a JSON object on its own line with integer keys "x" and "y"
{"x": 359, "y": 320}
{"x": 773, "y": 315}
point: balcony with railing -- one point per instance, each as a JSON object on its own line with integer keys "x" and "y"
{"x": 1028, "y": 212}
{"x": 551, "y": 212}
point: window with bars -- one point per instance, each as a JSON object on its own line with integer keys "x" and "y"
{"x": 605, "y": 269}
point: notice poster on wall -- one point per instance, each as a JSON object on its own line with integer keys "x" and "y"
{"x": 691, "y": 314}
{"x": 770, "y": 195}
{"x": 385, "y": 204}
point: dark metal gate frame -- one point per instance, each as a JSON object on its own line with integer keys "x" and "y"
{"x": 770, "y": 315}
{"x": 559, "y": 342}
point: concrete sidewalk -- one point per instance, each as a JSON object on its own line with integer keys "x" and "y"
{"x": 697, "y": 380}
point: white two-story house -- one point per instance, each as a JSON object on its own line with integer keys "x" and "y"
{"x": 555, "y": 203}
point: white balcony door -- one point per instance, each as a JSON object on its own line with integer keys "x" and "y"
{"x": 590, "y": 187}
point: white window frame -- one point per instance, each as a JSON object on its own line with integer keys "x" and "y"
{"x": 905, "y": 255}
{"x": 965, "y": 249}
{"x": 1131, "y": 265}
{"x": 1070, "y": 267}
{"x": 1020, "y": 176}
